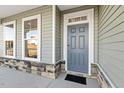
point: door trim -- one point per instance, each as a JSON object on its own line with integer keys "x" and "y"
{"x": 90, "y": 20}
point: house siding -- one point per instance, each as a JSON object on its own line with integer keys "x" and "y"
{"x": 58, "y": 35}
{"x": 95, "y": 26}
{"x": 95, "y": 34}
{"x": 62, "y": 32}
{"x": 111, "y": 42}
{"x": 46, "y": 31}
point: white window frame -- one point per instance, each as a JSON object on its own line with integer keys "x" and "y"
{"x": 14, "y": 41}
{"x": 38, "y": 17}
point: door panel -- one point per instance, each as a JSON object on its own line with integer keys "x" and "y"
{"x": 81, "y": 42}
{"x": 78, "y": 48}
{"x": 73, "y": 42}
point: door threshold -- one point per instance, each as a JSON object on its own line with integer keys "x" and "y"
{"x": 78, "y": 74}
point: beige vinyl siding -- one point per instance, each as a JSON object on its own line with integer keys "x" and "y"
{"x": 95, "y": 26}
{"x": 62, "y": 36}
{"x": 95, "y": 34}
{"x": 1, "y": 40}
{"x": 58, "y": 35}
{"x": 46, "y": 31}
{"x": 111, "y": 42}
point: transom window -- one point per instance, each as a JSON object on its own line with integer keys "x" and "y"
{"x": 9, "y": 39}
{"x": 77, "y": 19}
{"x": 31, "y": 37}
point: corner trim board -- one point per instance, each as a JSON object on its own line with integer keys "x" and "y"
{"x": 53, "y": 32}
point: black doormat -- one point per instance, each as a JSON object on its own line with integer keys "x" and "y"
{"x": 78, "y": 79}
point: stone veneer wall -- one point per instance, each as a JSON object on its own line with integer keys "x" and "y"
{"x": 96, "y": 73}
{"x": 50, "y": 70}
{"x": 46, "y": 70}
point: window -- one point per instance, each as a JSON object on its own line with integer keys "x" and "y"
{"x": 9, "y": 48}
{"x": 82, "y": 18}
{"x": 9, "y": 39}
{"x": 31, "y": 38}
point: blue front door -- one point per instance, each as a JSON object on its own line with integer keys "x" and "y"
{"x": 77, "y": 45}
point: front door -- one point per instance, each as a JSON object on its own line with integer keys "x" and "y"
{"x": 77, "y": 45}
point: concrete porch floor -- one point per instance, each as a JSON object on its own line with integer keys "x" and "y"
{"x": 10, "y": 78}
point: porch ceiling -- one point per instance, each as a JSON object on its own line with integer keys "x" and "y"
{"x": 65, "y": 7}
{"x": 8, "y": 10}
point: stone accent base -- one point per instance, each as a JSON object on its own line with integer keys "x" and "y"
{"x": 63, "y": 67}
{"x": 97, "y": 74}
{"x": 50, "y": 70}
{"x": 94, "y": 71}
{"x": 46, "y": 70}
